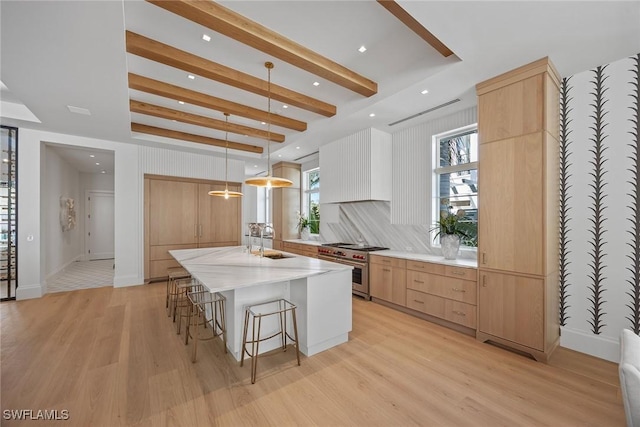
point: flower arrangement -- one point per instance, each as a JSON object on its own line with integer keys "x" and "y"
{"x": 303, "y": 221}
{"x": 451, "y": 223}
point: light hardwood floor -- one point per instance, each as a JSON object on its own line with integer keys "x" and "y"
{"x": 111, "y": 357}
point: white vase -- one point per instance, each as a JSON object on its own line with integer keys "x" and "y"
{"x": 305, "y": 233}
{"x": 450, "y": 245}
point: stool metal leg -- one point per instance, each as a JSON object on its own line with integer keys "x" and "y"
{"x": 295, "y": 333}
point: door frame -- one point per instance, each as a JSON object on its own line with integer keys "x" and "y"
{"x": 85, "y": 222}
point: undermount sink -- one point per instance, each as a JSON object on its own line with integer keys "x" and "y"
{"x": 268, "y": 253}
{"x": 277, "y": 256}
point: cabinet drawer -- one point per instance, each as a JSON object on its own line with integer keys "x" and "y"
{"x": 162, "y": 252}
{"x": 427, "y": 267}
{"x": 461, "y": 273}
{"x": 447, "y": 287}
{"x": 453, "y": 311}
{"x": 392, "y": 262}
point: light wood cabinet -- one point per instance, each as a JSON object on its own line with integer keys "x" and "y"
{"x": 179, "y": 214}
{"x": 285, "y": 203}
{"x": 517, "y": 217}
{"x": 443, "y": 291}
{"x": 387, "y": 279}
{"x": 512, "y": 308}
{"x": 310, "y": 251}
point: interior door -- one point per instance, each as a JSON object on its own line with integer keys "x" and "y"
{"x": 100, "y": 235}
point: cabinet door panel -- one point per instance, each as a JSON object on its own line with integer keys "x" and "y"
{"x": 511, "y": 212}
{"x": 512, "y": 307}
{"x": 388, "y": 283}
{"x": 172, "y": 212}
{"x": 218, "y": 217}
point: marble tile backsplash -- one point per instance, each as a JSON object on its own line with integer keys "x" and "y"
{"x": 371, "y": 221}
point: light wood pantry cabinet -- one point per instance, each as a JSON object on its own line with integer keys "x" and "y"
{"x": 179, "y": 214}
{"x": 517, "y": 218}
{"x": 285, "y": 203}
{"x": 443, "y": 291}
{"x": 387, "y": 279}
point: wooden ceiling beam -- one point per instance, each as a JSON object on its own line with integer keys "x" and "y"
{"x": 184, "y": 136}
{"x": 225, "y": 21}
{"x": 195, "y": 119}
{"x": 156, "y": 87}
{"x": 415, "y": 26}
{"x": 168, "y": 55}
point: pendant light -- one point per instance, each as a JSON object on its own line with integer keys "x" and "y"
{"x": 226, "y": 193}
{"x": 269, "y": 181}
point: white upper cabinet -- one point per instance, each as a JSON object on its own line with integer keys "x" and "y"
{"x": 357, "y": 168}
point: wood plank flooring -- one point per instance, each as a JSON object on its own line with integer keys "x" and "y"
{"x": 111, "y": 357}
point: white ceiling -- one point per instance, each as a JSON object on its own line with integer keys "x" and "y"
{"x": 60, "y": 53}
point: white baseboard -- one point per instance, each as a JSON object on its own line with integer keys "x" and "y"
{"x": 124, "y": 281}
{"x": 584, "y": 342}
{"x": 28, "y": 292}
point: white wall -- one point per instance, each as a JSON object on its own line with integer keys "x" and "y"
{"x": 62, "y": 181}
{"x": 131, "y": 163}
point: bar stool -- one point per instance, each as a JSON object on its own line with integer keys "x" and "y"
{"x": 181, "y": 302}
{"x": 173, "y": 274}
{"x": 206, "y": 308}
{"x": 255, "y": 313}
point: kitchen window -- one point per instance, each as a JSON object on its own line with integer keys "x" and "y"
{"x": 311, "y": 198}
{"x": 456, "y": 178}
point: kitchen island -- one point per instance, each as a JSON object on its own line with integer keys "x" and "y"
{"x": 320, "y": 289}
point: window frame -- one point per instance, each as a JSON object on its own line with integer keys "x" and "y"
{"x": 438, "y": 170}
{"x": 306, "y": 192}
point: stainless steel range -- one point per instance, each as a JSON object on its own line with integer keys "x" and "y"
{"x": 354, "y": 255}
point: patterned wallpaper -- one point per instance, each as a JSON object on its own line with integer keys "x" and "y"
{"x": 600, "y": 207}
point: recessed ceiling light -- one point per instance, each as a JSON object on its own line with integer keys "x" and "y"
{"x": 316, "y": 83}
{"x": 181, "y": 102}
{"x": 297, "y": 148}
{"x": 372, "y": 115}
{"x": 79, "y": 110}
{"x": 255, "y": 166}
{"x": 103, "y": 171}
{"x": 191, "y": 76}
{"x": 92, "y": 155}
{"x": 424, "y": 92}
{"x": 362, "y": 49}
{"x": 264, "y": 123}
{"x": 97, "y": 163}
{"x": 206, "y": 37}
{"x": 279, "y": 155}
{"x": 285, "y": 106}
{"x": 5, "y": 160}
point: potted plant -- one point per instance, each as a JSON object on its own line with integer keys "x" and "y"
{"x": 451, "y": 228}
{"x": 303, "y": 226}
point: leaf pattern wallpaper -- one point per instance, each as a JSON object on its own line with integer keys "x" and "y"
{"x": 599, "y": 253}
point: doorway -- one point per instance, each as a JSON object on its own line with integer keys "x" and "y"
{"x": 99, "y": 241}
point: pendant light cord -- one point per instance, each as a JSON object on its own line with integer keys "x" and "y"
{"x": 269, "y": 66}
{"x": 226, "y": 151}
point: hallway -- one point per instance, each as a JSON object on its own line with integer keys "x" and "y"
{"x": 83, "y": 275}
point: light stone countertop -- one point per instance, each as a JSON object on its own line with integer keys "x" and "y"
{"x": 231, "y": 267}
{"x": 438, "y": 259}
{"x": 305, "y": 242}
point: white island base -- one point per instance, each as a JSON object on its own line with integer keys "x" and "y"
{"x": 323, "y": 312}
{"x": 321, "y": 291}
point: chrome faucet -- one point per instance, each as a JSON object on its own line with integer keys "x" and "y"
{"x": 262, "y": 237}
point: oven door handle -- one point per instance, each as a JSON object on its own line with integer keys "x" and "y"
{"x": 343, "y": 261}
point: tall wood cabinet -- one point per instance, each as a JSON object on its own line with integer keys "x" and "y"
{"x": 518, "y": 117}
{"x": 285, "y": 202}
{"x": 179, "y": 214}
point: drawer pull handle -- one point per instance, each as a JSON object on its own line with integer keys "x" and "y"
{"x": 459, "y": 273}
{"x": 418, "y": 301}
{"x": 386, "y": 269}
{"x": 484, "y": 257}
{"x": 386, "y": 260}
{"x": 418, "y": 281}
{"x": 458, "y": 290}
{"x": 459, "y": 313}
